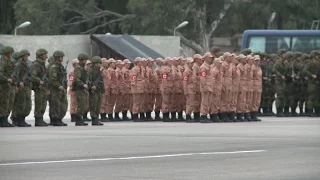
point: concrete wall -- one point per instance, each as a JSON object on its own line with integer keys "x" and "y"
{"x": 72, "y": 45}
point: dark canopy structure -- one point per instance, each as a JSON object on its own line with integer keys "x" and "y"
{"x": 123, "y": 46}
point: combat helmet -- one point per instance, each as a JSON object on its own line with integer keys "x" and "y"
{"x": 83, "y": 57}
{"x": 58, "y": 54}
{"x": 41, "y": 52}
{"x": 96, "y": 59}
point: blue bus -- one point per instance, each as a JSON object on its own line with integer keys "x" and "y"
{"x": 270, "y": 41}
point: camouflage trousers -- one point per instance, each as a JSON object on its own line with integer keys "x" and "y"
{"x": 7, "y": 95}
{"x": 40, "y": 101}
{"x": 95, "y": 104}
{"x": 58, "y": 103}
{"x": 82, "y": 101}
{"x": 22, "y": 103}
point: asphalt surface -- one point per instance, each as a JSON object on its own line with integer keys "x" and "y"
{"x": 286, "y": 149}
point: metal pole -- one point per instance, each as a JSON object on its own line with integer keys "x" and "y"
{"x": 15, "y": 31}
{"x": 174, "y": 31}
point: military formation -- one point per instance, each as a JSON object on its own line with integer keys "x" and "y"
{"x": 207, "y": 88}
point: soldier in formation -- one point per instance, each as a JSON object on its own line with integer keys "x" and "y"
{"x": 208, "y": 88}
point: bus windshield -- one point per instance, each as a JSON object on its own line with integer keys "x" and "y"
{"x": 272, "y": 43}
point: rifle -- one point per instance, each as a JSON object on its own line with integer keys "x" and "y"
{"x": 26, "y": 77}
{"x": 98, "y": 81}
{"x": 293, "y": 73}
{"x": 14, "y": 77}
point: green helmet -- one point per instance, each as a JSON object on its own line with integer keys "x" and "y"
{"x": 58, "y": 54}
{"x": 83, "y": 57}
{"x": 51, "y": 59}
{"x": 305, "y": 56}
{"x": 41, "y": 52}
{"x": 288, "y": 55}
{"x": 7, "y": 49}
{"x": 16, "y": 55}
{"x": 23, "y": 52}
{"x": 246, "y": 51}
{"x": 96, "y": 59}
{"x": 274, "y": 56}
{"x": 281, "y": 51}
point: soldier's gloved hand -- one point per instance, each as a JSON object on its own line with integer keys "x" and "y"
{"x": 9, "y": 80}
{"x": 265, "y": 78}
{"x": 85, "y": 86}
{"x": 21, "y": 84}
{"x": 41, "y": 82}
{"x": 61, "y": 87}
{"x": 314, "y": 76}
{"x": 283, "y": 77}
{"x": 94, "y": 88}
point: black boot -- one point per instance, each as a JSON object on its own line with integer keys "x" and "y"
{"x": 259, "y": 112}
{"x": 271, "y": 113}
{"x": 239, "y": 117}
{"x": 157, "y": 116}
{"x": 286, "y": 112}
{"x": 15, "y": 121}
{"x": 51, "y": 121}
{"x": 79, "y": 121}
{"x": 214, "y": 118}
{"x": 61, "y": 122}
{"x": 96, "y": 122}
{"x": 103, "y": 117}
{"x": 72, "y": 118}
{"x": 280, "y": 112}
{"x": 57, "y": 122}
{"x": 226, "y": 117}
{"x": 142, "y": 117}
{"x": 294, "y": 112}
{"x": 173, "y": 116}
{"x": 166, "y": 117}
{"x": 180, "y": 116}
{"x": 231, "y": 116}
{"x": 204, "y": 119}
{"x": 116, "y": 116}
{"x": 149, "y": 117}
{"x": 189, "y": 119}
{"x": 125, "y": 116}
{"x": 317, "y": 111}
{"x": 247, "y": 117}
{"x": 22, "y": 122}
{"x": 196, "y": 116}
{"x": 85, "y": 117}
{"x": 39, "y": 122}
{"x": 135, "y": 118}
{"x": 110, "y": 117}
{"x": 265, "y": 112}
{"x": 7, "y": 122}
{"x": 301, "y": 113}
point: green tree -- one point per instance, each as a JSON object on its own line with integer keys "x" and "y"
{"x": 7, "y": 21}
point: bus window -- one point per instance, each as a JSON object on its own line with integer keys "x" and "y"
{"x": 274, "y": 43}
{"x": 257, "y": 44}
{"x": 305, "y": 43}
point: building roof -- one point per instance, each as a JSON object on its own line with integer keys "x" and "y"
{"x": 126, "y": 46}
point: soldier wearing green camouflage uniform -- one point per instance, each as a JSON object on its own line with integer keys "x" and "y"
{"x": 16, "y": 57}
{"x": 58, "y": 90}
{"x": 96, "y": 89}
{"x": 22, "y": 103}
{"x": 51, "y": 61}
{"x": 311, "y": 70}
{"x": 38, "y": 71}
{"x": 280, "y": 69}
{"x": 267, "y": 91}
{"x": 80, "y": 87}
{"x": 303, "y": 95}
{"x": 295, "y": 81}
{"x": 7, "y": 85}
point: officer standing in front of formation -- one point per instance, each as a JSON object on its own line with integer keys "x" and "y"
{"x": 22, "y": 104}
{"x": 312, "y": 72}
{"x": 189, "y": 89}
{"x": 80, "y": 87}
{"x": 40, "y": 86}
{"x": 206, "y": 82}
{"x": 7, "y": 85}
{"x": 73, "y": 100}
{"x": 96, "y": 89}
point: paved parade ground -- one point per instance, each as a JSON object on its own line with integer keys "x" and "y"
{"x": 287, "y": 148}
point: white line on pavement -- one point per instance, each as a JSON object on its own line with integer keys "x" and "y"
{"x": 131, "y": 158}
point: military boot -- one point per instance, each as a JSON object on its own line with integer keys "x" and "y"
{"x": 104, "y": 117}
{"x": 116, "y": 116}
{"x": 231, "y": 116}
{"x": 125, "y": 116}
{"x": 189, "y": 119}
{"x": 180, "y": 116}
{"x": 226, "y": 117}
{"x": 317, "y": 111}
{"x": 196, "y": 116}
{"x": 255, "y": 116}
{"x": 51, "y": 121}
{"x": 85, "y": 117}
{"x": 247, "y": 117}
{"x": 157, "y": 116}
{"x": 286, "y": 112}
{"x": 79, "y": 121}
{"x": 57, "y": 122}
{"x": 280, "y": 112}
{"x": 270, "y": 110}
{"x": 142, "y": 117}
{"x": 15, "y": 121}
{"x": 96, "y": 122}
{"x": 259, "y": 112}
{"x": 265, "y": 112}
{"x": 204, "y": 119}
{"x": 110, "y": 117}
{"x": 214, "y": 118}
{"x": 173, "y": 116}
{"x": 135, "y": 118}
{"x": 165, "y": 117}
{"x": 239, "y": 117}
{"x": 72, "y": 118}
{"x": 61, "y": 122}
{"x": 22, "y": 122}
{"x": 294, "y": 111}
{"x": 4, "y": 122}
{"x": 39, "y": 122}
{"x": 149, "y": 117}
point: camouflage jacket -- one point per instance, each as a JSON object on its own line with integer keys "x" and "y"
{"x": 96, "y": 79}
{"x": 56, "y": 76}
{"x": 22, "y": 72}
{"x": 38, "y": 70}
{"x": 80, "y": 77}
{"x": 6, "y": 71}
